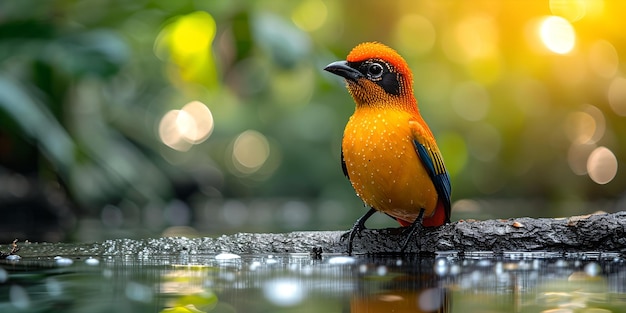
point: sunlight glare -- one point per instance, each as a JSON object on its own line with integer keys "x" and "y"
{"x": 557, "y": 34}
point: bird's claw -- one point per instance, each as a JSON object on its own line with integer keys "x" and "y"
{"x": 359, "y": 226}
{"x": 416, "y": 227}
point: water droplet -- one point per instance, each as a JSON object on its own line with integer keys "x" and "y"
{"x": 63, "y": 261}
{"x": 340, "y": 260}
{"x": 227, "y": 256}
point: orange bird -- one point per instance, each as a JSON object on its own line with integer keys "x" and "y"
{"x": 388, "y": 152}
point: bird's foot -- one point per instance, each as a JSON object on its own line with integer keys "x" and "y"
{"x": 358, "y": 226}
{"x": 415, "y": 227}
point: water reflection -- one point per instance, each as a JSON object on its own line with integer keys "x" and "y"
{"x": 447, "y": 282}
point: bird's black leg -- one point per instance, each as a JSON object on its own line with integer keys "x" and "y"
{"x": 359, "y": 225}
{"x": 415, "y": 226}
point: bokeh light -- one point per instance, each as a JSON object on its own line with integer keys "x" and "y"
{"x": 470, "y": 101}
{"x": 250, "y": 151}
{"x": 284, "y": 291}
{"x": 410, "y": 27}
{"x": 557, "y": 34}
{"x": 603, "y": 59}
{"x": 602, "y": 165}
{"x": 180, "y": 129}
{"x": 526, "y": 99}
{"x": 575, "y": 10}
{"x": 572, "y": 10}
{"x": 474, "y": 37}
{"x": 187, "y": 42}
{"x": 580, "y": 127}
{"x": 202, "y": 122}
{"x": 310, "y": 15}
{"x": 577, "y": 157}
{"x": 617, "y": 95}
{"x": 484, "y": 142}
{"x": 171, "y": 127}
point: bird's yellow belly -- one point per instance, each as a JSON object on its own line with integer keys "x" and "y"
{"x": 384, "y": 167}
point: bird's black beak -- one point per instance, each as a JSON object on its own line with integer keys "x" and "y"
{"x": 343, "y": 69}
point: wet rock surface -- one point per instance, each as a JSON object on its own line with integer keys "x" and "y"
{"x": 598, "y": 232}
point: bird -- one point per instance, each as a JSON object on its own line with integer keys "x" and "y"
{"x": 388, "y": 152}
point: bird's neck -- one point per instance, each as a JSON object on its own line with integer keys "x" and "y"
{"x": 404, "y": 103}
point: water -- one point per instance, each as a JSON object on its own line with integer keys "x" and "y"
{"x": 446, "y": 282}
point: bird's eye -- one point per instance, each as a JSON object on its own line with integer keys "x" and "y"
{"x": 375, "y": 70}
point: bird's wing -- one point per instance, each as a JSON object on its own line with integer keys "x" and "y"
{"x": 430, "y": 156}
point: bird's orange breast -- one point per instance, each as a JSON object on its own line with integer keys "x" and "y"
{"x": 383, "y": 165}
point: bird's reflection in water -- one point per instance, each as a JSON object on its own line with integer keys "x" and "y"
{"x": 402, "y": 284}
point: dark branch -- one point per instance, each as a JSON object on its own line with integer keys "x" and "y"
{"x": 599, "y": 232}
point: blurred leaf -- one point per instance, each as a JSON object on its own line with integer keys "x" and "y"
{"x": 285, "y": 43}
{"x": 98, "y": 52}
{"x": 23, "y": 29}
{"x": 37, "y": 122}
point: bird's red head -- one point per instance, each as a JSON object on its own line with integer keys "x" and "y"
{"x": 377, "y": 50}
{"x": 376, "y": 75}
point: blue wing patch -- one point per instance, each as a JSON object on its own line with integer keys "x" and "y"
{"x": 437, "y": 171}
